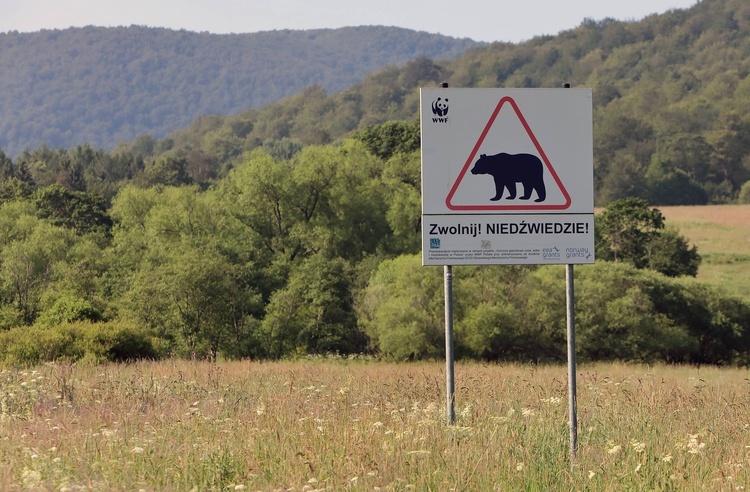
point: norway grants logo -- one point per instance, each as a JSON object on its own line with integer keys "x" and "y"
{"x": 440, "y": 110}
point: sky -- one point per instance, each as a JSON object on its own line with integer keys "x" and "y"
{"x": 481, "y": 20}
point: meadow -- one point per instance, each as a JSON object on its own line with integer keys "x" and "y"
{"x": 317, "y": 425}
{"x": 722, "y": 235}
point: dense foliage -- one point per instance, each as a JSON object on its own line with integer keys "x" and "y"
{"x": 108, "y": 85}
{"x": 316, "y": 254}
{"x": 518, "y": 313}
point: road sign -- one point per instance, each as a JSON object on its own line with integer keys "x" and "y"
{"x": 507, "y": 170}
{"x": 524, "y": 154}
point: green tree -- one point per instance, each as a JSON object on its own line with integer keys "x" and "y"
{"x": 690, "y": 154}
{"x": 82, "y": 212}
{"x": 488, "y": 303}
{"x": 28, "y": 266}
{"x": 619, "y": 317}
{"x": 71, "y": 175}
{"x": 13, "y": 188}
{"x": 630, "y": 231}
{"x": 390, "y": 138}
{"x": 670, "y": 254}
{"x": 323, "y": 199}
{"x": 402, "y": 187}
{"x": 625, "y": 229}
{"x": 667, "y": 186}
{"x": 200, "y": 289}
{"x": 356, "y": 215}
{"x": 166, "y": 171}
{"x": 403, "y": 309}
{"x": 175, "y": 273}
{"x": 7, "y": 169}
{"x": 314, "y": 313}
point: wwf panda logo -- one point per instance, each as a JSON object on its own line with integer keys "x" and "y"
{"x": 440, "y": 106}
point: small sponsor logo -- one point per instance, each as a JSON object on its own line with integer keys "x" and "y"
{"x": 434, "y": 243}
{"x": 551, "y": 254}
{"x": 577, "y": 253}
{"x": 440, "y": 110}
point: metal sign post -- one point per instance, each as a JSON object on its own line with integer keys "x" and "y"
{"x": 572, "y": 399}
{"x": 450, "y": 384}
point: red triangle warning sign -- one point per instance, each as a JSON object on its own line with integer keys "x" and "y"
{"x": 522, "y": 180}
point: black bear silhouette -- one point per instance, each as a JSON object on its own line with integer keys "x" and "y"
{"x": 509, "y": 169}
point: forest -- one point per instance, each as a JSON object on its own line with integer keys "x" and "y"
{"x": 294, "y": 229}
{"x": 317, "y": 253}
{"x": 104, "y": 85}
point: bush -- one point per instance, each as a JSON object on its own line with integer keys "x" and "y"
{"x": 68, "y": 309}
{"x": 402, "y": 309}
{"x": 119, "y": 342}
{"x": 519, "y": 314}
{"x": 744, "y": 196}
{"x": 29, "y": 346}
{"x": 98, "y": 342}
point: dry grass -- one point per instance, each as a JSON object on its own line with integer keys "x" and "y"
{"x": 342, "y": 425}
{"x": 722, "y": 235}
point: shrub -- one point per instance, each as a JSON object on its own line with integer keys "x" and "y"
{"x": 119, "y": 342}
{"x": 501, "y": 313}
{"x": 29, "y": 346}
{"x": 402, "y": 309}
{"x": 744, "y": 196}
{"x": 68, "y": 309}
{"x": 98, "y": 342}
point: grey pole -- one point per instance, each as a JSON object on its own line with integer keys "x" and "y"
{"x": 450, "y": 384}
{"x": 572, "y": 403}
{"x": 571, "y": 322}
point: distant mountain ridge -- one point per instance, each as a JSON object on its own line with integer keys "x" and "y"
{"x": 106, "y": 85}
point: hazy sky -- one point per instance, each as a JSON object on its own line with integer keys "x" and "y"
{"x": 481, "y": 20}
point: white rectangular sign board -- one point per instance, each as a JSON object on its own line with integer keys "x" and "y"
{"x": 507, "y": 176}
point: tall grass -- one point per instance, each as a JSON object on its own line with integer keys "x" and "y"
{"x": 343, "y": 425}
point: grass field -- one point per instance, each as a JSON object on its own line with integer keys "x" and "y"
{"x": 722, "y": 235}
{"x": 339, "y": 425}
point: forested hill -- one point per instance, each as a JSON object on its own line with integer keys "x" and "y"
{"x": 106, "y": 85}
{"x": 671, "y": 106}
{"x": 671, "y": 101}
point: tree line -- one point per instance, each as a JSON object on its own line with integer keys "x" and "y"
{"x": 315, "y": 252}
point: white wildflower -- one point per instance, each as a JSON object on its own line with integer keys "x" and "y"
{"x": 614, "y": 449}
{"x": 638, "y": 446}
{"x": 693, "y": 445}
